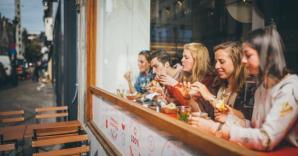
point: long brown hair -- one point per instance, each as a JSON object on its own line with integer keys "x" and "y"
{"x": 270, "y": 47}
{"x": 235, "y": 52}
{"x": 201, "y": 66}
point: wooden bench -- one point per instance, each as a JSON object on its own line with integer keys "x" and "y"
{"x": 11, "y": 116}
{"x": 29, "y": 133}
{"x": 82, "y": 139}
{"x": 68, "y": 151}
{"x": 5, "y": 147}
{"x": 51, "y": 112}
{"x": 55, "y": 132}
{"x": 13, "y": 133}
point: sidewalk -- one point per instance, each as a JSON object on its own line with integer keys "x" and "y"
{"x": 27, "y": 95}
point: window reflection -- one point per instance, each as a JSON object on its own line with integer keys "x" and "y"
{"x": 176, "y": 22}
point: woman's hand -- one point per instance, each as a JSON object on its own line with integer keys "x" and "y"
{"x": 200, "y": 121}
{"x": 220, "y": 116}
{"x": 167, "y": 80}
{"x": 128, "y": 76}
{"x": 202, "y": 89}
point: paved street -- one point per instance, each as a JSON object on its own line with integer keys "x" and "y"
{"x": 26, "y": 96}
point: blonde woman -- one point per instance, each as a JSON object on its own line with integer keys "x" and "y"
{"x": 195, "y": 67}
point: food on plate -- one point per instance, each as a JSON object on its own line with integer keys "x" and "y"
{"x": 169, "y": 108}
{"x": 133, "y": 96}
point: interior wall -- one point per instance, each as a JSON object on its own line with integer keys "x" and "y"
{"x": 123, "y": 31}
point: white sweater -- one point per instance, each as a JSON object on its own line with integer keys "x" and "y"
{"x": 274, "y": 117}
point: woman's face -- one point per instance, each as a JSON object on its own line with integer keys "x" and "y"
{"x": 251, "y": 59}
{"x": 223, "y": 64}
{"x": 143, "y": 63}
{"x": 187, "y": 61}
{"x": 157, "y": 67}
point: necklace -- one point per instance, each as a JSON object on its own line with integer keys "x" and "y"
{"x": 225, "y": 94}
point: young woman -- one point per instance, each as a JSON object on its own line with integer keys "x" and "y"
{"x": 276, "y": 99}
{"x": 231, "y": 72}
{"x": 145, "y": 75}
{"x": 195, "y": 67}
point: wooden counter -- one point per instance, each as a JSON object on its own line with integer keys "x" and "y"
{"x": 192, "y": 137}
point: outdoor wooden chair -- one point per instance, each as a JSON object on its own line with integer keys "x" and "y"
{"x": 5, "y": 147}
{"x": 51, "y": 112}
{"x": 11, "y": 117}
{"x": 80, "y": 140}
{"x": 56, "y": 132}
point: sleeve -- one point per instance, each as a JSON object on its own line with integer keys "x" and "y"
{"x": 234, "y": 120}
{"x": 176, "y": 93}
{"x": 137, "y": 85}
{"x": 278, "y": 122}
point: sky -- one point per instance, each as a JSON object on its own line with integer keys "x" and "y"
{"x": 31, "y": 14}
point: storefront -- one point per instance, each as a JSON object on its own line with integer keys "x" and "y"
{"x": 111, "y": 33}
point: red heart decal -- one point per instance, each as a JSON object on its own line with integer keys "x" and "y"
{"x": 123, "y": 126}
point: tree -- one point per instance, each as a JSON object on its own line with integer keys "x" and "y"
{"x": 32, "y": 48}
{"x": 32, "y": 51}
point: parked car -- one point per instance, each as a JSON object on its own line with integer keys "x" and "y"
{"x": 3, "y": 76}
{"x": 5, "y": 68}
{"x": 4, "y": 60}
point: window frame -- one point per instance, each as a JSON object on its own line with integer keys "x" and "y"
{"x": 195, "y": 138}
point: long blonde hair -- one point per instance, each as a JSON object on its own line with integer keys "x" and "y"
{"x": 235, "y": 52}
{"x": 201, "y": 65}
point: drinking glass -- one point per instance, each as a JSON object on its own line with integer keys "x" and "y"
{"x": 183, "y": 113}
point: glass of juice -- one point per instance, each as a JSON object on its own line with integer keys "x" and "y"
{"x": 183, "y": 113}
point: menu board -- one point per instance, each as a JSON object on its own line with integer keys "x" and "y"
{"x": 132, "y": 136}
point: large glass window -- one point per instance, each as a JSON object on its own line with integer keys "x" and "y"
{"x": 123, "y": 28}
{"x": 176, "y": 22}
{"x": 127, "y": 27}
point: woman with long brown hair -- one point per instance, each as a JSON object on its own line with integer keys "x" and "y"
{"x": 275, "y": 110}
{"x": 232, "y": 75}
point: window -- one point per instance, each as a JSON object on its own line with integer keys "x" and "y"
{"x": 125, "y": 27}
{"x": 205, "y": 21}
